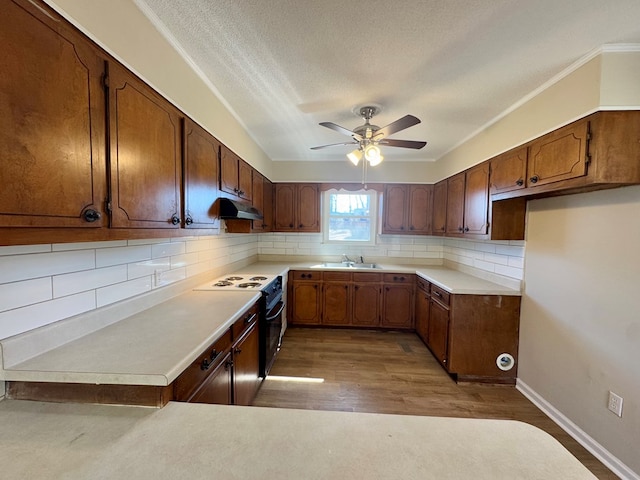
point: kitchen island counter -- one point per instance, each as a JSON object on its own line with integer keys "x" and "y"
{"x": 51, "y": 441}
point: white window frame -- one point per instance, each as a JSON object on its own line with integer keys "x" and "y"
{"x": 373, "y": 217}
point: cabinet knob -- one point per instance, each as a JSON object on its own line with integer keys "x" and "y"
{"x": 534, "y": 179}
{"x": 188, "y": 221}
{"x": 291, "y": 225}
{"x": 466, "y": 229}
{"x": 520, "y": 182}
{"x": 228, "y": 364}
{"x": 236, "y": 190}
{"x": 91, "y": 215}
{"x": 460, "y": 229}
{"x": 240, "y": 192}
{"x": 300, "y": 226}
{"x": 175, "y": 220}
{"x": 237, "y": 351}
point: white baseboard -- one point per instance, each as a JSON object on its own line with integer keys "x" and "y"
{"x": 597, "y": 450}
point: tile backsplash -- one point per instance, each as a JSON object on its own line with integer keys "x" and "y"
{"x": 41, "y": 284}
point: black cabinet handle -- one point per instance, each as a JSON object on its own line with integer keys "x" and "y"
{"x": 228, "y": 364}
{"x": 437, "y": 294}
{"x": 91, "y": 215}
{"x": 460, "y": 229}
{"x": 236, "y": 190}
{"x": 237, "y": 351}
{"x": 300, "y": 226}
{"x": 291, "y": 225}
{"x": 520, "y": 182}
{"x": 207, "y": 362}
{"x": 466, "y": 229}
{"x": 534, "y": 179}
{"x": 175, "y": 220}
{"x": 188, "y": 221}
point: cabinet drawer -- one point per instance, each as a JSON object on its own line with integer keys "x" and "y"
{"x": 423, "y": 284}
{"x": 190, "y": 380}
{"x": 361, "y": 277}
{"x": 305, "y": 275}
{"x": 442, "y": 296}
{"x": 244, "y": 322}
{"x": 398, "y": 277}
{"x": 336, "y": 276}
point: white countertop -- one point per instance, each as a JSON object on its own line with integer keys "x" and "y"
{"x": 149, "y": 348}
{"x": 196, "y": 441}
{"x": 453, "y": 281}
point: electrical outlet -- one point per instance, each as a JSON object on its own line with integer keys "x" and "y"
{"x": 615, "y": 403}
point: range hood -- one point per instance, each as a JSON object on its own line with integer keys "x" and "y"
{"x": 232, "y": 209}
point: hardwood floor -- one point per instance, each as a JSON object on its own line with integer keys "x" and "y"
{"x": 391, "y": 372}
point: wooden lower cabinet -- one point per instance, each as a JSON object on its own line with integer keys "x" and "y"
{"x": 398, "y": 300}
{"x": 422, "y": 305}
{"x": 366, "y": 304}
{"x": 218, "y": 387}
{"x": 304, "y": 298}
{"x": 467, "y": 333}
{"x": 336, "y": 303}
{"x": 246, "y": 367}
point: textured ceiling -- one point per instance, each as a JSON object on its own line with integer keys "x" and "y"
{"x": 283, "y": 66}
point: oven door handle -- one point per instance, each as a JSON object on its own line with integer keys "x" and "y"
{"x": 273, "y": 317}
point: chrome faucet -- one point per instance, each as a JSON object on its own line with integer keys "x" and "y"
{"x": 346, "y": 259}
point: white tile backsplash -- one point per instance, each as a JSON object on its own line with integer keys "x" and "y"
{"x": 42, "y": 284}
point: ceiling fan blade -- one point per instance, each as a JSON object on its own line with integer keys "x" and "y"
{"x": 403, "y": 143}
{"x": 400, "y": 124}
{"x": 339, "y": 129}
{"x": 334, "y": 145}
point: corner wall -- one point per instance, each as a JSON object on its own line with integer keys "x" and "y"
{"x": 580, "y": 326}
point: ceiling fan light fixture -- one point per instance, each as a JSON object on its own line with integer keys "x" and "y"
{"x": 373, "y": 155}
{"x": 355, "y": 156}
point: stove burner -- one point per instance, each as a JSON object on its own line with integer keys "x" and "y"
{"x": 233, "y": 279}
{"x": 258, "y": 278}
{"x": 222, "y": 283}
{"x": 249, "y": 285}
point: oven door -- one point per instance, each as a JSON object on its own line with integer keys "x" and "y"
{"x": 271, "y": 337}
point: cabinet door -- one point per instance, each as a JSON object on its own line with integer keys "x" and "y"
{"x": 336, "y": 304}
{"x": 422, "y": 314}
{"x": 455, "y": 204}
{"x": 246, "y": 367}
{"x": 306, "y": 303}
{"x": 440, "y": 208}
{"x": 439, "y": 331}
{"x": 267, "y": 221}
{"x": 146, "y": 159}
{"x": 508, "y": 171}
{"x": 245, "y": 180}
{"x": 395, "y": 209}
{"x": 52, "y": 122}
{"x": 476, "y": 200}
{"x": 366, "y": 304}
{"x": 308, "y": 208}
{"x": 284, "y": 207}
{"x": 559, "y": 155}
{"x": 420, "y": 209}
{"x": 217, "y": 388}
{"x": 201, "y": 155}
{"x": 258, "y": 200}
{"x": 397, "y": 306}
{"x": 228, "y": 171}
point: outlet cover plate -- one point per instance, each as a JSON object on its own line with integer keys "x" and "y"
{"x": 615, "y": 404}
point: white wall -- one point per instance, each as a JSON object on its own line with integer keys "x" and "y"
{"x": 580, "y": 322}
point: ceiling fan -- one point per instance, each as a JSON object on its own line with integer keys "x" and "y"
{"x": 369, "y": 136}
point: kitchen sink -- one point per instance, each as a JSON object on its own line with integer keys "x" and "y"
{"x": 347, "y": 265}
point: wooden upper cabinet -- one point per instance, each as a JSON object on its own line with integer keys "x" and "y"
{"x": 395, "y": 209}
{"x": 509, "y": 171}
{"x": 476, "y": 200}
{"x": 145, "y": 150}
{"x": 407, "y": 209}
{"x": 200, "y": 171}
{"x": 559, "y": 155}
{"x": 308, "y": 207}
{"x": 439, "y": 225}
{"x": 420, "y": 209}
{"x": 297, "y": 207}
{"x": 52, "y": 122}
{"x": 258, "y": 200}
{"x": 235, "y": 174}
{"x": 455, "y": 204}
{"x": 267, "y": 212}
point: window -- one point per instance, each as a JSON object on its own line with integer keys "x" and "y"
{"x": 349, "y": 217}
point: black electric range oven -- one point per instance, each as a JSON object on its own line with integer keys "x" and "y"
{"x": 271, "y": 310}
